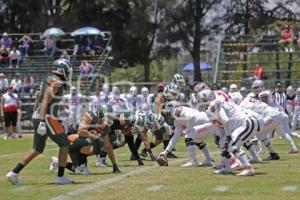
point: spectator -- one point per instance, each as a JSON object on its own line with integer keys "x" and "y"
{"x": 86, "y": 70}
{"x": 28, "y": 83}
{"x": 258, "y": 72}
{"x": 97, "y": 44}
{"x": 14, "y": 57}
{"x": 16, "y": 83}
{"x": 10, "y": 105}
{"x": 50, "y": 46}
{"x": 65, "y": 55}
{"x": 24, "y": 45}
{"x": 3, "y": 83}
{"x": 4, "y": 58}
{"x": 286, "y": 40}
{"x": 82, "y": 45}
{"x": 6, "y": 41}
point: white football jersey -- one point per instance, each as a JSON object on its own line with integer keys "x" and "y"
{"x": 259, "y": 107}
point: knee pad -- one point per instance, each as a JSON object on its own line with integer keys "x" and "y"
{"x": 189, "y": 142}
{"x": 201, "y": 145}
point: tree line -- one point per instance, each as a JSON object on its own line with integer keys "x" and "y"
{"x": 148, "y": 30}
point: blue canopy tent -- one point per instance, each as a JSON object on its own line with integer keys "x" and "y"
{"x": 190, "y": 67}
{"x": 189, "y": 70}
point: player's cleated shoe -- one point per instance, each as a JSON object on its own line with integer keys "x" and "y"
{"x": 13, "y": 178}
{"x": 273, "y": 156}
{"x": 144, "y": 153}
{"x": 223, "y": 171}
{"x": 218, "y": 166}
{"x": 83, "y": 170}
{"x": 190, "y": 164}
{"x": 255, "y": 160}
{"x": 54, "y": 164}
{"x": 207, "y": 163}
{"x": 63, "y": 180}
{"x": 101, "y": 162}
{"x": 294, "y": 152}
{"x": 248, "y": 171}
{"x": 171, "y": 155}
{"x": 140, "y": 161}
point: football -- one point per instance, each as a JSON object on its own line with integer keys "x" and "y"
{"x": 161, "y": 160}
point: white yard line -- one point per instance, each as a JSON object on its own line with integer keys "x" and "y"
{"x": 289, "y": 188}
{"x": 100, "y": 183}
{"x": 221, "y": 188}
{"x": 155, "y": 188}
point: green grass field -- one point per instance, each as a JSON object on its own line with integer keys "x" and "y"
{"x": 274, "y": 180}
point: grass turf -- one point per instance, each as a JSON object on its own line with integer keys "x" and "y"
{"x": 274, "y": 179}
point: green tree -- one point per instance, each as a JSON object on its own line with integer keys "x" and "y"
{"x": 187, "y": 26}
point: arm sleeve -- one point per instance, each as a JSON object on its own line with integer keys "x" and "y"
{"x": 173, "y": 140}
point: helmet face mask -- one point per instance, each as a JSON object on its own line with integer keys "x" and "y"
{"x": 63, "y": 67}
{"x": 179, "y": 81}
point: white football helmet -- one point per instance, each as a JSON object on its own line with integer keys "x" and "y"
{"x": 116, "y": 91}
{"x": 225, "y": 89}
{"x": 105, "y": 89}
{"x": 290, "y": 90}
{"x": 145, "y": 91}
{"x": 200, "y": 86}
{"x": 178, "y": 79}
{"x": 264, "y": 96}
{"x": 205, "y": 96}
{"x": 257, "y": 86}
{"x": 133, "y": 91}
{"x": 233, "y": 88}
{"x": 170, "y": 107}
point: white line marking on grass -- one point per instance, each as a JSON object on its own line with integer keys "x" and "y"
{"x": 221, "y": 188}
{"x": 21, "y": 153}
{"x": 155, "y": 188}
{"x": 290, "y": 188}
{"x": 22, "y": 188}
{"x": 80, "y": 191}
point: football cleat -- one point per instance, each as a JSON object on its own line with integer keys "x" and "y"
{"x": 144, "y": 153}
{"x": 101, "y": 162}
{"x": 273, "y": 156}
{"x": 54, "y": 164}
{"x": 248, "y": 171}
{"x": 171, "y": 155}
{"x": 223, "y": 171}
{"x": 206, "y": 163}
{"x": 63, "y": 180}
{"x": 294, "y": 152}
{"x": 13, "y": 178}
{"x": 190, "y": 164}
{"x": 83, "y": 170}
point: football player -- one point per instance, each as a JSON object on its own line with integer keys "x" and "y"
{"x": 45, "y": 123}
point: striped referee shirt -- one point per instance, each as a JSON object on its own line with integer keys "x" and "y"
{"x": 281, "y": 99}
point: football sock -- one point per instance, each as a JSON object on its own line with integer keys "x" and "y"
{"x": 61, "y": 171}
{"x": 18, "y": 168}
